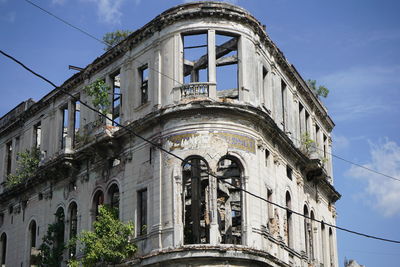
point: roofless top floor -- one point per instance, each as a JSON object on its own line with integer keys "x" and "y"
{"x": 203, "y": 51}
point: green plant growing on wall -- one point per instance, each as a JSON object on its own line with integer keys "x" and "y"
{"x": 109, "y": 242}
{"x": 320, "y": 91}
{"x": 113, "y": 38}
{"x": 307, "y": 144}
{"x": 99, "y": 91}
{"x": 52, "y": 248}
{"x": 27, "y": 165}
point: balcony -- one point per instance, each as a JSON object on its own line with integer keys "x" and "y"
{"x": 194, "y": 90}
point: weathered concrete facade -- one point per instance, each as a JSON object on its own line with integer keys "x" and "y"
{"x": 204, "y": 81}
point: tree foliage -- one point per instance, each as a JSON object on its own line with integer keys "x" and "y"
{"x": 110, "y": 242}
{"x": 51, "y": 250}
{"x": 113, "y": 38}
{"x": 307, "y": 144}
{"x": 320, "y": 91}
{"x": 99, "y": 91}
{"x": 27, "y": 165}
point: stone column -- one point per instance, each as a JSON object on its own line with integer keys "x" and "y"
{"x": 212, "y": 69}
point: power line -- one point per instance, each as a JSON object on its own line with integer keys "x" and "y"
{"x": 97, "y": 39}
{"x": 171, "y": 78}
{"x": 186, "y": 162}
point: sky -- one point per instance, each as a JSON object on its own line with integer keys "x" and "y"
{"x": 350, "y": 46}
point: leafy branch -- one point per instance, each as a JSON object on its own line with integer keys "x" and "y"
{"x": 27, "y": 165}
{"x": 110, "y": 242}
{"x": 113, "y": 38}
{"x": 320, "y": 91}
{"x": 99, "y": 91}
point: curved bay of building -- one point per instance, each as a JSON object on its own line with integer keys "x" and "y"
{"x": 203, "y": 81}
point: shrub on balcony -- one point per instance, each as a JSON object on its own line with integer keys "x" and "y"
{"x": 27, "y": 164}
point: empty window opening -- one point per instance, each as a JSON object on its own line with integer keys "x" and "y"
{"x": 311, "y": 237}
{"x": 325, "y": 147}
{"x": 73, "y": 227}
{"x": 195, "y": 58}
{"x": 317, "y": 144}
{"x": 16, "y": 147}
{"x": 289, "y": 172}
{"x": 32, "y": 243}
{"x": 97, "y": 201}
{"x": 37, "y": 135}
{"x": 229, "y": 201}
{"x": 60, "y": 220}
{"x": 142, "y": 212}
{"x": 301, "y": 122}
{"x": 77, "y": 119}
{"x": 196, "y": 201}
{"x": 144, "y": 84}
{"x": 113, "y": 195}
{"x": 331, "y": 248}
{"x": 116, "y": 99}
{"x": 266, "y": 157}
{"x": 270, "y": 209}
{"x": 307, "y": 122}
{"x": 323, "y": 243}
{"x": 288, "y": 220}
{"x": 307, "y": 232}
{"x": 283, "y": 102}
{"x": 3, "y": 243}
{"x": 226, "y": 56}
{"x": 64, "y": 127}
{"x": 9, "y": 151}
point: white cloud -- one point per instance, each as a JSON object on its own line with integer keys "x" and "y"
{"x": 358, "y": 91}
{"x": 381, "y": 193}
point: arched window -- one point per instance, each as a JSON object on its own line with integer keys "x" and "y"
{"x": 288, "y": 223}
{"x": 73, "y": 226}
{"x": 97, "y": 201}
{"x": 113, "y": 195}
{"x": 3, "y": 250}
{"x": 323, "y": 243}
{"x": 196, "y": 197}
{"x": 60, "y": 220}
{"x": 33, "y": 252}
{"x": 331, "y": 248}
{"x": 230, "y": 200}
{"x": 311, "y": 237}
{"x": 307, "y": 231}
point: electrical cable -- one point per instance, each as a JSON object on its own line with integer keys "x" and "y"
{"x": 171, "y": 78}
{"x": 186, "y": 162}
{"x": 97, "y": 39}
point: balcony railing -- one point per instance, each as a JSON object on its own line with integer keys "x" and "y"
{"x": 196, "y": 89}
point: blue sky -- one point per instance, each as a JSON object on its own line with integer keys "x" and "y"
{"x": 351, "y": 46}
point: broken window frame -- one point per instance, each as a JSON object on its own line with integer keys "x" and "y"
{"x": 116, "y": 103}
{"x": 196, "y": 196}
{"x": 142, "y": 197}
{"x": 230, "y": 221}
{"x": 77, "y": 118}
{"x": 9, "y": 156}
{"x": 225, "y": 60}
{"x": 144, "y": 84}
{"x": 32, "y": 240}
{"x": 194, "y": 74}
{"x": 98, "y": 200}
{"x": 64, "y": 126}
{"x": 37, "y": 135}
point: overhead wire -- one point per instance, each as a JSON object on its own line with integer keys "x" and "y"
{"x": 180, "y": 83}
{"x": 186, "y": 162}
